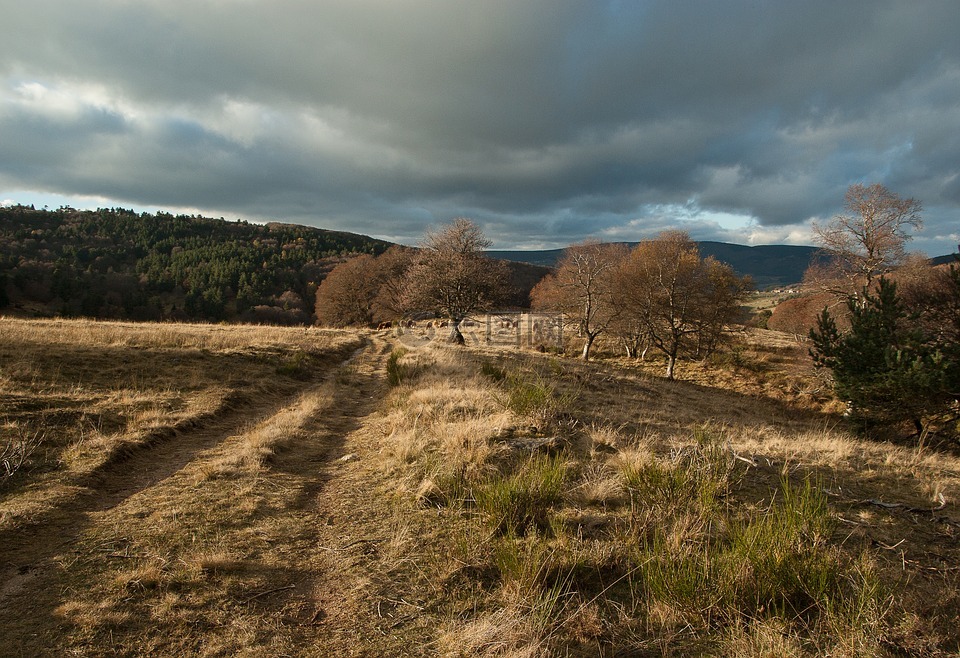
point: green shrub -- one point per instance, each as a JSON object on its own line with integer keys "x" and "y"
{"x": 786, "y": 555}
{"x": 300, "y": 366}
{"x": 494, "y": 372}
{"x": 887, "y": 365}
{"x": 697, "y": 478}
{"x": 778, "y": 564}
{"x": 533, "y": 396}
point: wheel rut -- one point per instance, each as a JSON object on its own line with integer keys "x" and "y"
{"x": 291, "y": 541}
{"x": 25, "y": 550}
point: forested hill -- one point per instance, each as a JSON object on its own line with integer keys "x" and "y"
{"x": 119, "y": 264}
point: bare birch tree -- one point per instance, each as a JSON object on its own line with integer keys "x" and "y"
{"x": 681, "y": 301}
{"x": 364, "y": 290}
{"x": 864, "y": 242}
{"x": 452, "y": 277}
{"x": 583, "y": 288}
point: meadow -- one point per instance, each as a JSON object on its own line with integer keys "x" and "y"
{"x": 220, "y": 490}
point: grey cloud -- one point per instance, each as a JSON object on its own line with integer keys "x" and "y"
{"x": 547, "y": 120}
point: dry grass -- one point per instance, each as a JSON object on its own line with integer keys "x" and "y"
{"x": 445, "y": 420}
{"x": 191, "y": 553}
{"x": 95, "y": 392}
{"x": 166, "y": 488}
{"x": 672, "y": 491}
{"x": 485, "y": 504}
{"x": 163, "y": 336}
{"x": 249, "y": 450}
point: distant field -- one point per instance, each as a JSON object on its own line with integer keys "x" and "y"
{"x": 235, "y": 490}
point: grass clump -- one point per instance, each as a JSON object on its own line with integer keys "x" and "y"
{"x": 397, "y": 372}
{"x": 520, "y": 501}
{"x": 16, "y": 446}
{"x": 777, "y": 566}
{"x": 533, "y": 396}
{"x": 494, "y": 372}
{"x": 697, "y": 477}
{"x": 785, "y": 554}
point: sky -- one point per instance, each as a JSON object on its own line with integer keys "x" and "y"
{"x": 545, "y": 121}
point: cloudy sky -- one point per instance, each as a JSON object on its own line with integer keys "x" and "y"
{"x": 547, "y": 121}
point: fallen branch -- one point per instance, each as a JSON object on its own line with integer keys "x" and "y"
{"x": 904, "y": 507}
{"x": 269, "y": 591}
{"x": 743, "y": 459}
{"x": 351, "y": 545}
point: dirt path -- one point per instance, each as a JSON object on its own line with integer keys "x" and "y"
{"x": 24, "y": 550}
{"x": 363, "y": 595}
{"x": 281, "y": 561}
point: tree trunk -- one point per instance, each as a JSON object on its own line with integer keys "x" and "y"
{"x": 586, "y": 347}
{"x": 455, "y": 336}
{"x": 671, "y": 362}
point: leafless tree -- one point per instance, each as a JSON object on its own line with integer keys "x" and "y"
{"x": 798, "y": 315}
{"x": 452, "y": 277}
{"x": 390, "y": 269}
{"x": 682, "y": 300}
{"x": 584, "y": 287}
{"x": 932, "y": 295}
{"x": 864, "y": 242}
{"x": 720, "y": 305}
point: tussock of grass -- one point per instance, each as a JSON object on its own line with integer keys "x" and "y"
{"x": 532, "y": 395}
{"x": 445, "y": 424}
{"x": 521, "y": 500}
{"x": 397, "y": 372}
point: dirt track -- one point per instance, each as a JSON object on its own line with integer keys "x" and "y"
{"x": 301, "y": 585}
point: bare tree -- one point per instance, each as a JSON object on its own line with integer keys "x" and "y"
{"x": 390, "y": 270}
{"x": 798, "y": 315}
{"x": 682, "y": 301}
{"x": 583, "y": 288}
{"x": 932, "y": 296}
{"x": 721, "y": 304}
{"x": 452, "y": 277}
{"x": 864, "y": 242}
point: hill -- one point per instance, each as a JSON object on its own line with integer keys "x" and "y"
{"x": 114, "y": 263}
{"x": 117, "y": 264}
{"x": 944, "y": 260}
{"x": 767, "y": 265}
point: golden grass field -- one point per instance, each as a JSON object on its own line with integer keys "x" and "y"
{"x": 247, "y": 491}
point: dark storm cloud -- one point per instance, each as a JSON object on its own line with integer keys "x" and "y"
{"x": 547, "y": 121}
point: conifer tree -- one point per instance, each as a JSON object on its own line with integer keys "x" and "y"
{"x": 885, "y": 366}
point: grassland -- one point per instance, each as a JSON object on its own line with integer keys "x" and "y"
{"x": 221, "y": 491}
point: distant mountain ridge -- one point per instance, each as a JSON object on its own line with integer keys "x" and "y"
{"x": 767, "y": 265}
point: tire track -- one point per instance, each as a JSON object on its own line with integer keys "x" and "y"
{"x": 26, "y": 550}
